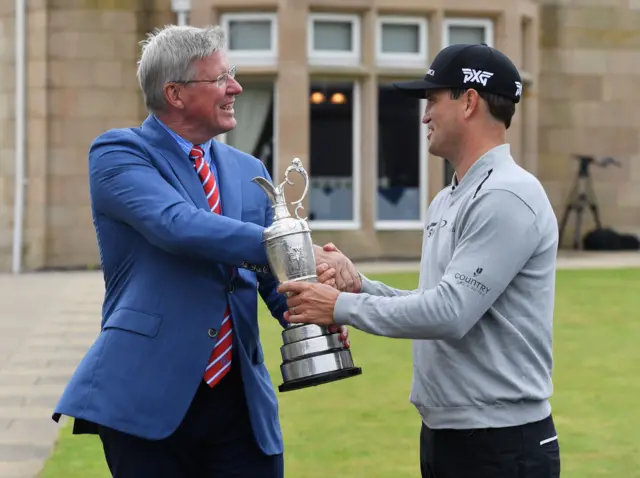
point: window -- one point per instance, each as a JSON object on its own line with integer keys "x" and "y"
{"x": 401, "y": 201}
{"x": 401, "y": 42}
{"x": 333, "y": 39}
{"x": 334, "y": 155}
{"x": 251, "y": 38}
{"x": 465, "y": 30}
{"x": 254, "y": 112}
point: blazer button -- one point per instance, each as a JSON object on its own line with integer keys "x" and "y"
{"x": 231, "y": 288}
{"x": 213, "y": 333}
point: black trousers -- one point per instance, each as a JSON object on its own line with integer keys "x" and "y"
{"x": 526, "y": 451}
{"x": 215, "y": 440}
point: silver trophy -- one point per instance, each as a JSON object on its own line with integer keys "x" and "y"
{"x": 311, "y": 354}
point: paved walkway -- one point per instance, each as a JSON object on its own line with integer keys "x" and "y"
{"x": 48, "y": 320}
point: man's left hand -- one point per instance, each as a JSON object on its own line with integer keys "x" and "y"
{"x": 309, "y": 303}
{"x": 346, "y": 276}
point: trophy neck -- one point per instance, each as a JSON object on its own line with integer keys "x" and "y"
{"x": 280, "y": 211}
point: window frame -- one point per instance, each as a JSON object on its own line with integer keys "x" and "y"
{"x": 356, "y": 222}
{"x": 405, "y": 224}
{"x": 403, "y": 60}
{"x": 252, "y": 57}
{"x": 486, "y": 23}
{"x": 334, "y": 58}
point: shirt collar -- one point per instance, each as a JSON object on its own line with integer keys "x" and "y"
{"x": 185, "y": 145}
{"x": 496, "y": 155}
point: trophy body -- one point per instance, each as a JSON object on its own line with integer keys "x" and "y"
{"x": 311, "y": 355}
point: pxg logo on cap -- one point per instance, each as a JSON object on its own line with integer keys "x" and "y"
{"x": 478, "y": 76}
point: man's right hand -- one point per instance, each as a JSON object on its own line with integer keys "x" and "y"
{"x": 346, "y": 276}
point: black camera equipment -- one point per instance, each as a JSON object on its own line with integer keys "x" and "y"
{"x": 583, "y": 196}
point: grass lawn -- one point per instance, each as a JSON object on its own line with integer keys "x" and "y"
{"x": 364, "y": 427}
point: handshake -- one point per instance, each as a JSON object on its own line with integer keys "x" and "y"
{"x": 335, "y": 269}
{"x": 314, "y": 303}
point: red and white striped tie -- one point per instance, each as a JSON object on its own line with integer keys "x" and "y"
{"x": 220, "y": 360}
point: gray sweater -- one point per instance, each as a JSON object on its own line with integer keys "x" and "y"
{"x": 481, "y": 318}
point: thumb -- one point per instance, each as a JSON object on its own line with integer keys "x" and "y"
{"x": 292, "y": 287}
{"x": 330, "y": 247}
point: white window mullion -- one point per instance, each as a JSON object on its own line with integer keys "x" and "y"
{"x": 356, "y": 148}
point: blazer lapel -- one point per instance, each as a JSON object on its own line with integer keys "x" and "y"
{"x": 181, "y": 166}
{"x": 229, "y": 181}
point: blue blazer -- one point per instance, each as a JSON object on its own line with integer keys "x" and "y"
{"x": 166, "y": 262}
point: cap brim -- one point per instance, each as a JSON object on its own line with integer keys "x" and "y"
{"x": 417, "y": 88}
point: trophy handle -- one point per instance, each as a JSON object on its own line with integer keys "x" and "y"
{"x": 296, "y": 166}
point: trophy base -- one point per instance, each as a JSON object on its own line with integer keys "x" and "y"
{"x": 319, "y": 379}
{"x": 324, "y": 360}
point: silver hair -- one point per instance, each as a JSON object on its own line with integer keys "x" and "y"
{"x": 168, "y": 54}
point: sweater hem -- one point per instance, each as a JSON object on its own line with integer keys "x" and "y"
{"x": 493, "y": 416}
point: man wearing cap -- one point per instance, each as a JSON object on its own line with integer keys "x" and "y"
{"x": 481, "y": 317}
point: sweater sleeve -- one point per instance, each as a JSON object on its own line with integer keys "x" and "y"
{"x": 375, "y": 287}
{"x": 498, "y": 236}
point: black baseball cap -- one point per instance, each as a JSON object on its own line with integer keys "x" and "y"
{"x": 476, "y": 66}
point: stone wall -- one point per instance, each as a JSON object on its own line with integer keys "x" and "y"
{"x": 589, "y": 73}
{"x": 81, "y": 81}
{"x": 92, "y": 55}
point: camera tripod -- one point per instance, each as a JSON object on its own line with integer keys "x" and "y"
{"x": 582, "y": 196}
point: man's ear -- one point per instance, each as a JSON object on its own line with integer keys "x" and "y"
{"x": 173, "y": 95}
{"x": 471, "y": 101}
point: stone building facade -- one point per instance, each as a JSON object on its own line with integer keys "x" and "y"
{"x": 316, "y": 75}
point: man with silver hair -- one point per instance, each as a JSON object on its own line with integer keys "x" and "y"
{"x": 175, "y": 383}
